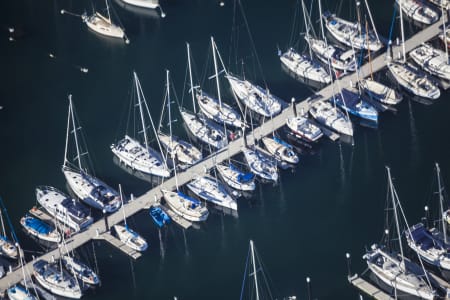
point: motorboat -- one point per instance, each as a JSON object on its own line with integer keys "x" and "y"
{"x": 302, "y": 128}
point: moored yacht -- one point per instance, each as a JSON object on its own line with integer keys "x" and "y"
{"x": 18, "y": 292}
{"x": 302, "y": 128}
{"x": 183, "y": 151}
{"x": 343, "y": 60}
{"x": 280, "y": 149}
{"x": 326, "y": 114}
{"x": 235, "y": 178}
{"x": 80, "y": 270}
{"x": 185, "y": 206}
{"x": 351, "y": 102}
{"x": 380, "y": 92}
{"x": 432, "y": 60}
{"x": 419, "y": 11}
{"x": 261, "y": 165}
{"x": 130, "y": 238}
{"x": 211, "y": 190}
{"x": 40, "y": 229}
{"x": 67, "y": 210}
{"x": 218, "y": 111}
{"x": 103, "y": 25}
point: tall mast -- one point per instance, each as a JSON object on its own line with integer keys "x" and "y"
{"x": 75, "y": 132}
{"x": 321, "y": 22}
{"x": 136, "y": 82}
{"x": 254, "y": 268}
{"x": 3, "y": 224}
{"x": 107, "y": 9}
{"x": 190, "y": 76}
{"x": 358, "y": 14}
{"x": 170, "y": 127}
{"x": 123, "y": 207}
{"x": 217, "y": 73}
{"x": 307, "y": 29}
{"x": 441, "y": 202}
{"x": 367, "y": 41}
{"x": 445, "y": 32}
{"x": 372, "y": 22}
{"x": 403, "y": 31}
{"x": 67, "y": 132}
{"x": 394, "y": 205}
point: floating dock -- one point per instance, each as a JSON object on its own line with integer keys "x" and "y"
{"x": 368, "y": 288}
{"x": 233, "y": 148}
{"x": 106, "y": 236}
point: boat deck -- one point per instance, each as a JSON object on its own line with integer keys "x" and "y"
{"x": 234, "y": 147}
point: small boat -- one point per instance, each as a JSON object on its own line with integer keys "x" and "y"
{"x": 261, "y": 165}
{"x": 280, "y": 149}
{"x": 159, "y": 216}
{"x": 254, "y": 97}
{"x": 432, "y": 60}
{"x": 211, "y": 190}
{"x": 40, "y": 229}
{"x": 67, "y": 210}
{"x": 418, "y": 11}
{"x": 236, "y": 178}
{"x": 18, "y": 292}
{"x": 340, "y": 59}
{"x": 185, "y": 206}
{"x": 302, "y": 128}
{"x": 205, "y": 130}
{"x": 348, "y": 33}
{"x": 324, "y": 113}
{"x": 351, "y": 102}
{"x": 380, "y": 92}
{"x": 183, "y": 151}
{"x": 413, "y": 80}
{"x": 80, "y": 270}
{"x": 56, "y": 280}
{"x": 103, "y": 25}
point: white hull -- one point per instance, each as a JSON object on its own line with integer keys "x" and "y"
{"x": 92, "y": 191}
{"x": 304, "y": 66}
{"x": 151, "y": 4}
{"x": 7, "y": 248}
{"x": 413, "y": 81}
{"x": 261, "y": 165}
{"x": 53, "y": 236}
{"x": 380, "y": 92}
{"x": 340, "y": 60}
{"x": 103, "y": 26}
{"x": 419, "y": 11}
{"x": 254, "y": 97}
{"x": 211, "y": 190}
{"x": 131, "y": 238}
{"x": 231, "y": 177}
{"x": 304, "y": 129}
{"x": 332, "y": 117}
{"x": 432, "y": 60}
{"x": 19, "y": 293}
{"x": 280, "y": 151}
{"x": 134, "y": 155}
{"x": 217, "y": 112}
{"x": 179, "y": 149}
{"x": 207, "y": 132}
{"x": 80, "y": 270}
{"x": 185, "y": 208}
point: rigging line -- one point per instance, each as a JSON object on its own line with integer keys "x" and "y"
{"x": 252, "y": 42}
{"x": 245, "y": 274}
{"x": 294, "y": 25}
{"x": 267, "y": 278}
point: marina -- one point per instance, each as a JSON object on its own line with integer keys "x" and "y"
{"x": 259, "y": 136}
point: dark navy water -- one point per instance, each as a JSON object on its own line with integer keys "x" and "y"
{"x": 332, "y": 203}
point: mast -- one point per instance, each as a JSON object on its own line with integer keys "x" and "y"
{"x": 107, "y": 9}
{"x": 321, "y": 22}
{"x": 190, "y": 76}
{"x": 394, "y": 205}
{"x": 358, "y": 13}
{"x": 74, "y": 132}
{"x": 3, "y": 224}
{"x": 370, "y": 60}
{"x": 373, "y": 24}
{"x": 67, "y": 132}
{"x": 170, "y": 127}
{"x": 136, "y": 82}
{"x": 445, "y": 33}
{"x": 254, "y": 267}
{"x": 441, "y": 202}
{"x": 307, "y": 30}
{"x": 123, "y": 207}
{"x": 217, "y": 73}
{"x": 403, "y": 31}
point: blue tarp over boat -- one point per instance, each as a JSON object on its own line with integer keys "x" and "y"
{"x": 38, "y": 225}
{"x": 159, "y": 216}
{"x": 242, "y": 177}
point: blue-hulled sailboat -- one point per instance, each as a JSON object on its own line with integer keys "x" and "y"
{"x": 353, "y": 104}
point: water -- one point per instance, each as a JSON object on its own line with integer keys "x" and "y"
{"x": 331, "y": 204}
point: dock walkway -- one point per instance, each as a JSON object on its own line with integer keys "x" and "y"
{"x": 234, "y": 147}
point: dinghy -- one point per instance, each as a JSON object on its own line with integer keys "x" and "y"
{"x": 159, "y": 216}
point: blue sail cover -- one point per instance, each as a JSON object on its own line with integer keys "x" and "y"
{"x": 194, "y": 201}
{"x": 281, "y": 142}
{"x": 245, "y": 177}
{"x": 425, "y": 239}
{"x": 38, "y": 225}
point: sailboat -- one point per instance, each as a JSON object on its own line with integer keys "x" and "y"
{"x": 442, "y": 3}
{"x": 104, "y": 25}
{"x": 7, "y": 247}
{"x": 351, "y": 34}
{"x": 87, "y": 187}
{"x": 380, "y": 92}
{"x": 332, "y": 117}
{"x": 40, "y": 229}
{"x": 177, "y": 148}
{"x": 260, "y": 164}
{"x": 235, "y": 178}
{"x": 134, "y": 154}
{"x": 280, "y": 149}
{"x": 211, "y": 190}
{"x": 418, "y": 11}
{"x": 216, "y": 109}
{"x": 80, "y": 270}
{"x": 302, "y": 128}
{"x": 69, "y": 211}
{"x": 432, "y": 60}
{"x": 17, "y": 291}
{"x": 393, "y": 268}
{"x": 351, "y": 102}
{"x": 432, "y": 245}
{"x": 56, "y": 280}
{"x": 303, "y": 65}
{"x": 128, "y": 236}
{"x": 409, "y": 77}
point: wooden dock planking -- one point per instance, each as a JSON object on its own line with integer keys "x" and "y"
{"x": 234, "y": 147}
{"x": 368, "y": 288}
{"x": 176, "y": 218}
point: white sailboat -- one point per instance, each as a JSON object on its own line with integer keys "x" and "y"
{"x": 280, "y": 150}
{"x": 104, "y": 25}
{"x": 393, "y": 269}
{"x": 442, "y": 3}
{"x": 56, "y": 280}
{"x": 134, "y": 154}
{"x": 128, "y": 236}
{"x": 87, "y": 187}
{"x": 211, "y": 190}
{"x": 302, "y": 128}
{"x": 40, "y": 229}
{"x": 235, "y": 178}
{"x": 330, "y": 116}
{"x": 7, "y": 247}
{"x": 177, "y": 148}
{"x": 80, "y": 270}
{"x": 432, "y": 60}
{"x": 418, "y": 11}
{"x": 380, "y": 92}
{"x": 261, "y": 165}
{"x": 65, "y": 209}
{"x": 17, "y": 291}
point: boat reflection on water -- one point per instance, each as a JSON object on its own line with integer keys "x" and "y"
{"x": 154, "y": 180}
